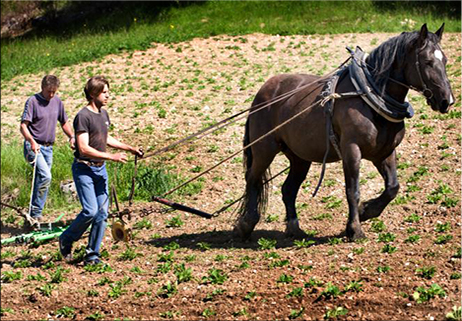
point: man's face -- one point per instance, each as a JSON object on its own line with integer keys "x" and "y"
{"x": 103, "y": 98}
{"x": 49, "y": 92}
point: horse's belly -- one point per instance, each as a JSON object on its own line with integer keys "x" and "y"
{"x": 306, "y": 138}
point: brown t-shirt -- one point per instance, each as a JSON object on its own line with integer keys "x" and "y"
{"x": 96, "y": 125}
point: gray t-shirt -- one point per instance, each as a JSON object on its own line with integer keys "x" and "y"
{"x": 43, "y": 116}
{"x": 97, "y": 127}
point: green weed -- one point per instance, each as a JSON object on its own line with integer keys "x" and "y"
{"x": 65, "y": 312}
{"x": 412, "y": 239}
{"x": 174, "y": 222}
{"x": 284, "y": 278}
{"x": 378, "y": 226}
{"x": 443, "y": 227}
{"x": 213, "y": 294}
{"x": 331, "y": 202}
{"x": 172, "y": 246}
{"x": 303, "y": 243}
{"x": 331, "y": 291}
{"x": 426, "y": 272}
{"x": 386, "y": 237}
{"x": 387, "y": 248}
{"x": 203, "y": 246}
{"x": 335, "y": 313}
{"x": 182, "y": 273}
{"x": 266, "y": 244}
{"x": 129, "y": 254}
{"x": 167, "y": 290}
{"x": 422, "y": 294}
{"x": 354, "y": 286}
{"x": 455, "y": 314}
{"x": 95, "y": 316}
{"x": 250, "y": 295}
{"x": 296, "y": 293}
{"x": 208, "y": 312}
{"x": 9, "y": 276}
{"x": 46, "y": 289}
{"x": 322, "y": 216}
{"x": 170, "y": 314}
{"x": 443, "y": 239}
{"x": 313, "y": 282}
{"x": 294, "y": 314}
{"x": 37, "y": 277}
{"x": 383, "y": 269}
{"x": 215, "y": 276}
{"x": 413, "y": 218}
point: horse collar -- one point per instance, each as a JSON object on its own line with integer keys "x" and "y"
{"x": 384, "y": 105}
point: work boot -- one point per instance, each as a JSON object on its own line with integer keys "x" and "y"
{"x": 66, "y": 250}
{"x": 92, "y": 262}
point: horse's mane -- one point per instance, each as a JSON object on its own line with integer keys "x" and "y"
{"x": 380, "y": 60}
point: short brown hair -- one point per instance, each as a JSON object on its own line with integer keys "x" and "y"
{"x": 50, "y": 81}
{"x": 95, "y": 86}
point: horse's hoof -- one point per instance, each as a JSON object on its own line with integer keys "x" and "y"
{"x": 367, "y": 211}
{"x": 293, "y": 230}
{"x": 355, "y": 236}
{"x": 242, "y": 230}
{"x": 355, "y": 233}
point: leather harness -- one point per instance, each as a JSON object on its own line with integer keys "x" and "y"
{"x": 366, "y": 88}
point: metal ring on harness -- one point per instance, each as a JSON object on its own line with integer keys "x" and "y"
{"x": 425, "y": 91}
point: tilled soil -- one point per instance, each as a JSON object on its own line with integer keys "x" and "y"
{"x": 197, "y": 270}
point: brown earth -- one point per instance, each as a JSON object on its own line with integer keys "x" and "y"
{"x": 170, "y": 91}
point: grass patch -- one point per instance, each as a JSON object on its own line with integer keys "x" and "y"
{"x": 136, "y": 26}
{"x": 16, "y": 179}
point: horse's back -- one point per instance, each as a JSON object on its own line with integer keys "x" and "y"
{"x": 280, "y": 84}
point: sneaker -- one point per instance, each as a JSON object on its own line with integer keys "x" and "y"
{"x": 66, "y": 250}
{"x": 92, "y": 262}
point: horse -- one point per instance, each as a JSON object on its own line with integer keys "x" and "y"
{"x": 411, "y": 60}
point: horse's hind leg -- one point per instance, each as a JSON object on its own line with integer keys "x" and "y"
{"x": 298, "y": 170}
{"x": 255, "y": 194}
{"x": 373, "y": 208}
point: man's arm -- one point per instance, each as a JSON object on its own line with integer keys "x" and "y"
{"x": 111, "y": 141}
{"x": 67, "y": 129}
{"x": 86, "y": 150}
{"x": 27, "y": 135}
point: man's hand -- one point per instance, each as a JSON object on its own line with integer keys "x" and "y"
{"x": 72, "y": 142}
{"x": 34, "y": 146}
{"x": 119, "y": 157}
{"x": 137, "y": 151}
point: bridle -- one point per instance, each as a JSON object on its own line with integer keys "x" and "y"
{"x": 425, "y": 90}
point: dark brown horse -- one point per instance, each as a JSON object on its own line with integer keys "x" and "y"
{"x": 411, "y": 60}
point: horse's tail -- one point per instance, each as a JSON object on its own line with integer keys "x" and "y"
{"x": 261, "y": 183}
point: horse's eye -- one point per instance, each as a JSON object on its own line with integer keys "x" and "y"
{"x": 429, "y": 63}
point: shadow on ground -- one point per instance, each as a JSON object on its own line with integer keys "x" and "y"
{"x": 225, "y": 240}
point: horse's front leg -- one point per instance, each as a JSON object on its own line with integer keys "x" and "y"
{"x": 373, "y": 208}
{"x": 351, "y": 161}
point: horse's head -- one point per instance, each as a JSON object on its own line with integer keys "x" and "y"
{"x": 426, "y": 69}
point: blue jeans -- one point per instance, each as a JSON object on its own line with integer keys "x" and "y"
{"x": 42, "y": 176}
{"x": 91, "y": 183}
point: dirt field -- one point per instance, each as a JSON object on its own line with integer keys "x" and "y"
{"x": 196, "y": 270}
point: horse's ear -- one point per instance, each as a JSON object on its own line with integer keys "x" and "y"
{"x": 423, "y": 34}
{"x": 439, "y": 32}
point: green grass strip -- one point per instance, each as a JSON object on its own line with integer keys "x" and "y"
{"x": 137, "y": 26}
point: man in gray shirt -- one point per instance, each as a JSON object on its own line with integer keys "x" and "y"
{"x": 38, "y": 126}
